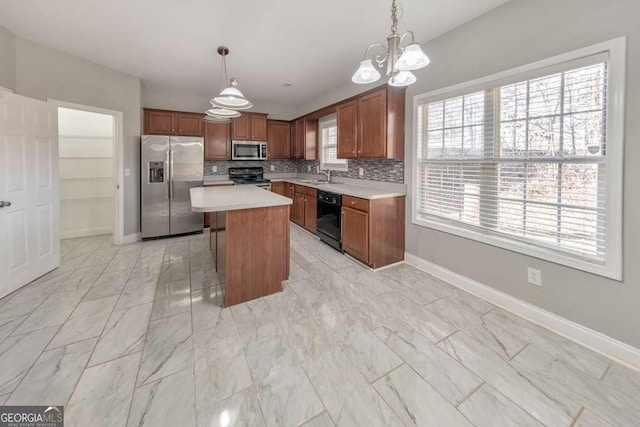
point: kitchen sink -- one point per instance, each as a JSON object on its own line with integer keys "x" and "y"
{"x": 313, "y": 182}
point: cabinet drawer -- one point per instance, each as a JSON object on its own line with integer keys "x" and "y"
{"x": 310, "y": 191}
{"x": 355, "y": 203}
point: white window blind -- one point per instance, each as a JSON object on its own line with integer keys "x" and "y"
{"x": 329, "y": 145}
{"x": 524, "y": 162}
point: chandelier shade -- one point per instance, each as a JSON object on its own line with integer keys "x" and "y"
{"x": 366, "y": 73}
{"x": 413, "y": 58}
{"x": 402, "y": 78}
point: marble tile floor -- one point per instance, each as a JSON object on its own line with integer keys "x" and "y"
{"x": 136, "y": 335}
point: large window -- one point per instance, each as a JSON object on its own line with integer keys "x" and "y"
{"x": 530, "y": 161}
{"x": 329, "y": 145}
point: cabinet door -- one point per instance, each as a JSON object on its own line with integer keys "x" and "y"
{"x": 241, "y": 127}
{"x": 297, "y": 139}
{"x": 310, "y": 139}
{"x": 279, "y": 139}
{"x": 158, "y": 122}
{"x": 258, "y": 127}
{"x": 372, "y": 117}
{"x": 217, "y": 141}
{"x": 298, "y": 208}
{"x": 190, "y": 124}
{"x": 310, "y": 211}
{"x": 347, "y": 118}
{"x": 279, "y": 188}
{"x": 355, "y": 233}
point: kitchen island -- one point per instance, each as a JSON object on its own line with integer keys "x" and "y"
{"x": 249, "y": 239}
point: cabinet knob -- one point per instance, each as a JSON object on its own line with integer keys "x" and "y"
{"x": 353, "y": 203}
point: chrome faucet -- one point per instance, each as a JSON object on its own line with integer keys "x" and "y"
{"x": 327, "y": 173}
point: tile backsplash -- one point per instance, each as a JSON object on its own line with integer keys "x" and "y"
{"x": 373, "y": 170}
{"x": 279, "y": 166}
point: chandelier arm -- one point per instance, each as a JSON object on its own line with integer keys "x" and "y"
{"x": 407, "y": 33}
{"x": 380, "y": 58}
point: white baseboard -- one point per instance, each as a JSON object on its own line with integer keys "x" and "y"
{"x": 130, "y": 238}
{"x": 596, "y": 341}
{"x": 85, "y": 233}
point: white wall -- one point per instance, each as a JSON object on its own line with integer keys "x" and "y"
{"x": 165, "y": 98}
{"x": 47, "y": 73}
{"x": 518, "y": 33}
{"x": 7, "y": 59}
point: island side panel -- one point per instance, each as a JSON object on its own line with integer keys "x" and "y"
{"x": 257, "y": 253}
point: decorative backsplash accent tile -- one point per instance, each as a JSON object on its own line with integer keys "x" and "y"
{"x": 374, "y": 170}
{"x": 279, "y": 166}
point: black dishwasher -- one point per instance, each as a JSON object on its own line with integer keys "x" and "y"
{"x": 329, "y": 219}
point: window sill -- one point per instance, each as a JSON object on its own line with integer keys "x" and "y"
{"x": 610, "y": 271}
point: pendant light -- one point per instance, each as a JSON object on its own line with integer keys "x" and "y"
{"x": 230, "y": 99}
{"x": 400, "y": 61}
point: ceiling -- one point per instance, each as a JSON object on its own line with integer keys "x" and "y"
{"x": 313, "y": 45}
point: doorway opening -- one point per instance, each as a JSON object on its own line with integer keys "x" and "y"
{"x": 90, "y": 166}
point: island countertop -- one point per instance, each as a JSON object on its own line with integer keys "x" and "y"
{"x": 231, "y": 198}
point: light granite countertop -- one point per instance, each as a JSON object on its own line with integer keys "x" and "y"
{"x": 221, "y": 199}
{"x": 348, "y": 189}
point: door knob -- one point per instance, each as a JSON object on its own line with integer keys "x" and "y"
{"x": 4, "y": 204}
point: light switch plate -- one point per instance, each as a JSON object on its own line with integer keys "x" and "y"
{"x": 127, "y": 172}
{"x": 361, "y": 171}
{"x": 534, "y": 276}
{"x": 273, "y": 167}
{"x": 214, "y": 169}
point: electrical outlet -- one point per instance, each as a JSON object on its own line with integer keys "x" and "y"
{"x": 273, "y": 168}
{"x": 534, "y": 276}
{"x": 308, "y": 168}
{"x": 127, "y": 172}
{"x": 361, "y": 171}
{"x": 214, "y": 169}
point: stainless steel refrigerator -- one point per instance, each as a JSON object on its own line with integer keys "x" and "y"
{"x": 171, "y": 166}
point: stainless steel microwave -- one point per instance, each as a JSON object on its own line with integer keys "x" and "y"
{"x": 248, "y": 150}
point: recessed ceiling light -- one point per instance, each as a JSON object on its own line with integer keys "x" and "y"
{"x": 286, "y": 85}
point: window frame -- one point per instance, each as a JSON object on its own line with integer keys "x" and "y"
{"x": 329, "y": 121}
{"x": 615, "y": 113}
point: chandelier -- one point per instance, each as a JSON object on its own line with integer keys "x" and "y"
{"x": 400, "y": 61}
{"x": 230, "y": 100}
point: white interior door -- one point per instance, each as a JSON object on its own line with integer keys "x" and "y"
{"x": 29, "y": 218}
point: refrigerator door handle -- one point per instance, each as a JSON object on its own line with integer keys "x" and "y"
{"x": 172, "y": 189}
{"x": 166, "y": 177}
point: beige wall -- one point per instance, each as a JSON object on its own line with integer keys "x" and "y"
{"x": 178, "y": 99}
{"x": 518, "y": 33}
{"x": 7, "y": 59}
{"x": 44, "y": 73}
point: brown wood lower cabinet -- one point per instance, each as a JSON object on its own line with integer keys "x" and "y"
{"x": 298, "y": 206}
{"x": 373, "y": 230}
{"x": 310, "y": 209}
{"x": 355, "y": 233}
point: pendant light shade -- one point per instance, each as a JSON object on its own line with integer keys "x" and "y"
{"x": 222, "y": 112}
{"x": 402, "y": 78}
{"x": 413, "y": 58}
{"x": 366, "y": 73}
{"x": 231, "y": 97}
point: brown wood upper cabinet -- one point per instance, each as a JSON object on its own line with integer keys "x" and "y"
{"x": 304, "y": 139}
{"x": 249, "y": 127}
{"x": 371, "y": 126}
{"x": 217, "y": 141}
{"x": 165, "y": 122}
{"x": 279, "y": 139}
